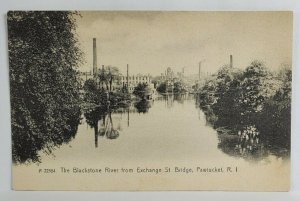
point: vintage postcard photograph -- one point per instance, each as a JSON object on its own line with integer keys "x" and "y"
{"x": 150, "y": 100}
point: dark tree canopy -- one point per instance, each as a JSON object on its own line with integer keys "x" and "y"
{"x": 179, "y": 87}
{"x": 162, "y": 88}
{"x": 141, "y": 90}
{"x": 43, "y": 57}
{"x": 253, "y": 99}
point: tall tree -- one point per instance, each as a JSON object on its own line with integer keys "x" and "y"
{"x": 43, "y": 56}
{"x": 252, "y": 98}
{"x": 108, "y": 75}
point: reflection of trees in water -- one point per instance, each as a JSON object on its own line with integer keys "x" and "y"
{"x": 48, "y": 144}
{"x": 142, "y": 106}
{"x": 100, "y": 119}
{"x": 247, "y": 144}
{"x": 92, "y": 116}
{"x": 180, "y": 98}
{"x": 170, "y": 98}
{"x": 252, "y": 142}
{"x": 108, "y": 129}
{"x": 242, "y": 101}
{"x": 210, "y": 117}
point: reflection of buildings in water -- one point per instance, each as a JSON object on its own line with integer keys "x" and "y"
{"x": 182, "y": 98}
{"x": 110, "y": 124}
{"x": 170, "y": 98}
{"x": 127, "y": 117}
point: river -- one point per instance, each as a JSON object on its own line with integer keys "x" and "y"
{"x": 166, "y": 132}
{"x": 167, "y": 128}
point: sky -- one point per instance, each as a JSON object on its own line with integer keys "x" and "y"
{"x": 152, "y": 41}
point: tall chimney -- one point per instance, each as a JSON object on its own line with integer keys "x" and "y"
{"x": 231, "y": 61}
{"x": 127, "y": 77}
{"x": 94, "y": 57}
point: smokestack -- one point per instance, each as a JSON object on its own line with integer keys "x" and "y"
{"x": 127, "y": 76}
{"x": 231, "y": 61}
{"x": 94, "y": 57}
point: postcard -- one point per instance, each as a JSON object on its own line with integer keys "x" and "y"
{"x": 150, "y": 100}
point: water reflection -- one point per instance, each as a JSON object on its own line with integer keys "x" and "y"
{"x": 170, "y": 98}
{"x": 92, "y": 117}
{"x": 248, "y": 144}
{"x": 101, "y": 128}
{"x": 100, "y": 119}
{"x": 142, "y": 106}
{"x": 108, "y": 129}
{"x": 245, "y": 142}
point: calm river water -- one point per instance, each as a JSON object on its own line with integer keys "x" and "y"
{"x": 167, "y": 128}
{"x": 168, "y": 131}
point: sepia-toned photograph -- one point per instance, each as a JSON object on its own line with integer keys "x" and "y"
{"x": 150, "y": 100}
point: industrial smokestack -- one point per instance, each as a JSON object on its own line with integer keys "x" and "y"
{"x": 127, "y": 76}
{"x": 94, "y": 57}
{"x": 231, "y": 61}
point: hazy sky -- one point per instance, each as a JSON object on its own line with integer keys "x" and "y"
{"x": 152, "y": 41}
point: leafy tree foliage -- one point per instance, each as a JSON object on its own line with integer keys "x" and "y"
{"x": 254, "y": 98}
{"x": 107, "y": 76}
{"x": 162, "y": 87}
{"x": 92, "y": 93}
{"x": 142, "y": 106}
{"x": 43, "y": 56}
{"x": 275, "y": 118}
{"x": 179, "y": 87}
{"x": 142, "y": 90}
